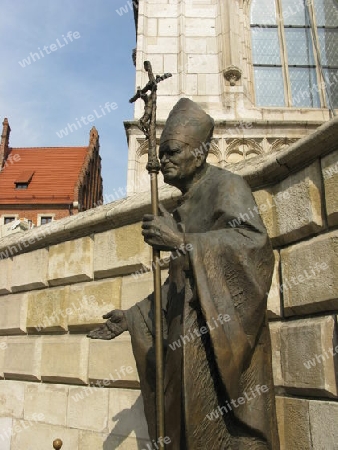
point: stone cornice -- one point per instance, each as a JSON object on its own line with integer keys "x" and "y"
{"x": 269, "y": 169}
{"x": 132, "y": 124}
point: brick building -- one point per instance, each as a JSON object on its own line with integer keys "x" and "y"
{"x": 41, "y": 184}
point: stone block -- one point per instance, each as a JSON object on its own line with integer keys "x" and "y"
{"x": 126, "y": 414}
{"x": 3, "y": 348}
{"x": 13, "y": 315}
{"x": 112, "y": 363}
{"x": 266, "y": 209}
{"x": 151, "y": 27}
{"x": 199, "y": 27}
{"x": 40, "y": 436}
{"x": 212, "y": 80}
{"x": 309, "y": 275}
{"x": 23, "y": 358}
{"x": 171, "y": 87}
{"x": 202, "y": 88}
{"x": 165, "y": 10}
{"x": 274, "y": 301}
{"x": 120, "y": 251}
{"x": 89, "y": 440}
{"x": 323, "y": 424}
{"x": 87, "y": 302}
{"x": 94, "y": 401}
{"x": 199, "y": 10}
{"x": 298, "y": 206}
{"x": 6, "y": 424}
{"x": 195, "y": 45}
{"x": 293, "y": 424}
{"x": 49, "y": 400}
{"x": 309, "y": 351}
{"x": 29, "y": 270}
{"x": 167, "y": 27}
{"x": 5, "y": 275}
{"x": 158, "y": 2}
{"x": 170, "y": 63}
{"x": 12, "y": 395}
{"x": 157, "y": 65}
{"x": 71, "y": 261}
{"x": 162, "y": 45}
{"x": 276, "y": 356}
{"x": 212, "y": 45}
{"x": 202, "y": 64}
{"x": 46, "y": 310}
{"x": 292, "y": 209}
{"x": 330, "y": 176}
{"x": 136, "y": 288}
{"x": 64, "y": 359}
{"x": 190, "y": 83}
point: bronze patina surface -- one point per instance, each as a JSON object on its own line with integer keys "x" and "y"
{"x": 217, "y": 358}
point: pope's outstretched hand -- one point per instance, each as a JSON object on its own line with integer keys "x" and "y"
{"x": 115, "y": 325}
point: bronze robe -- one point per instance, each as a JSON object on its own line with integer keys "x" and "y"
{"x": 228, "y": 272}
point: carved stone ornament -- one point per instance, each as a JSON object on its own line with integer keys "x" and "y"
{"x": 232, "y": 74}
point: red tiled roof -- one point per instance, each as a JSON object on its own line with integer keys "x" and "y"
{"x": 56, "y": 172}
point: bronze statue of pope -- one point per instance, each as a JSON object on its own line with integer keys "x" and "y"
{"x": 218, "y": 375}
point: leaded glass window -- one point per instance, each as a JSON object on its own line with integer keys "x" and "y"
{"x": 265, "y": 47}
{"x": 295, "y": 52}
{"x": 269, "y": 86}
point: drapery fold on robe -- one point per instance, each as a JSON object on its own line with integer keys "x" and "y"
{"x": 230, "y": 269}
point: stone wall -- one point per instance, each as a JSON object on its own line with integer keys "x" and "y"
{"x": 58, "y": 280}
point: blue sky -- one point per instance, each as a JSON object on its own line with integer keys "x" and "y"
{"x": 71, "y": 81}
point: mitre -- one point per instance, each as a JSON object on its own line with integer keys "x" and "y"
{"x": 187, "y": 123}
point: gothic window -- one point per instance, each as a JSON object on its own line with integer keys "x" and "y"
{"x": 295, "y": 52}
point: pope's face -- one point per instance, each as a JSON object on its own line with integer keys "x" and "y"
{"x": 178, "y": 162}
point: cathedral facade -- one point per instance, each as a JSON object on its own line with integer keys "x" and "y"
{"x": 265, "y": 70}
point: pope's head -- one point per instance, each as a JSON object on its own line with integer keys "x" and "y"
{"x": 185, "y": 143}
